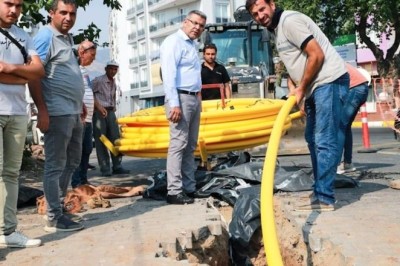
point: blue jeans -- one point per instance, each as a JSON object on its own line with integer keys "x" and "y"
{"x": 63, "y": 149}
{"x": 356, "y": 97}
{"x": 80, "y": 175}
{"x": 323, "y": 113}
{"x": 12, "y": 140}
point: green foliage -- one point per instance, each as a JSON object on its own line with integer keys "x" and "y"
{"x": 31, "y": 16}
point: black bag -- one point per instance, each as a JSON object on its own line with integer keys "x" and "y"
{"x": 14, "y": 41}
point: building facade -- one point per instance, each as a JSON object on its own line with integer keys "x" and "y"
{"x": 136, "y": 33}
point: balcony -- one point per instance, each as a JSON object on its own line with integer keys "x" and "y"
{"x": 134, "y": 92}
{"x": 134, "y": 85}
{"x": 131, "y": 37}
{"x": 140, "y": 33}
{"x": 140, "y": 7}
{"x": 165, "y": 28}
{"x": 156, "y": 5}
{"x": 142, "y": 59}
{"x": 162, "y": 25}
{"x": 130, "y": 14}
{"x": 133, "y": 61}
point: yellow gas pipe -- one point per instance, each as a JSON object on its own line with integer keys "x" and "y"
{"x": 268, "y": 227}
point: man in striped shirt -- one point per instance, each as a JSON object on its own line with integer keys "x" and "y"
{"x": 86, "y": 53}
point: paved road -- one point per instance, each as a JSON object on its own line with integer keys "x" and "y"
{"x": 364, "y": 230}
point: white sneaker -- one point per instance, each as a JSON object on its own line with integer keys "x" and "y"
{"x": 345, "y": 168}
{"x": 18, "y": 240}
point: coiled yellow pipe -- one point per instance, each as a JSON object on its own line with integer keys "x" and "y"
{"x": 268, "y": 227}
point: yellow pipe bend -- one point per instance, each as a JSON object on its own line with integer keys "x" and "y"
{"x": 268, "y": 227}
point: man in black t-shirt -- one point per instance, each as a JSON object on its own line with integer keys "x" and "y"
{"x": 212, "y": 73}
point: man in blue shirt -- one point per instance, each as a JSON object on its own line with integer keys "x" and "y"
{"x": 181, "y": 72}
{"x": 63, "y": 91}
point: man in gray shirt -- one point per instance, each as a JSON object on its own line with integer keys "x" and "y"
{"x": 322, "y": 83}
{"x": 63, "y": 91}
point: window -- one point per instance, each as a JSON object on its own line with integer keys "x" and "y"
{"x": 143, "y": 77}
{"x": 222, "y": 13}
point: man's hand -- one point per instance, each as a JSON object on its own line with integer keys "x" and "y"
{"x": 175, "y": 114}
{"x": 43, "y": 120}
{"x": 102, "y": 111}
{"x": 5, "y": 68}
{"x": 84, "y": 113}
{"x": 299, "y": 92}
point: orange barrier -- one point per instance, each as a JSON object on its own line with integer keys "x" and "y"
{"x": 365, "y": 132}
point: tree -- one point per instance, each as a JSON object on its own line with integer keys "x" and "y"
{"x": 32, "y": 16}
{"x": 367, "y": 18}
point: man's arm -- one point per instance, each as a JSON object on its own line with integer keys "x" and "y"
{"x": 227, "y": 83}
{"x": 315, "y": 59}
{"x": 33, "y": 70}
{"x": 12, "y": 79}
{"x": 35, "y": 89}
{"x": 228, "y": 92}
{"x": 100, "y": 108}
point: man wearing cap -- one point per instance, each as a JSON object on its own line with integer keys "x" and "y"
{"x": 105, "y": 121}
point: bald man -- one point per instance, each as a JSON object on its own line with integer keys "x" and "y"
{"x": 86, "y": 53}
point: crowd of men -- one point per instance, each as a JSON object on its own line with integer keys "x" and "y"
{"x": 72, "y": 107}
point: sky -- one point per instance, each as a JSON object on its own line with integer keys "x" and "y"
{"x": 97, "y": 13}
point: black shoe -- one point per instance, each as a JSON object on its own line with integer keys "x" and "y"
{"x": 107, "y": 174}
{"x": 62, "y": 224}
{"x": 85, "y": 182}
{"x": 196, "y": 195}
{"x": 180, "y": 198}
{"x": 91, "y": 167}
{"x": 121, "y": 171}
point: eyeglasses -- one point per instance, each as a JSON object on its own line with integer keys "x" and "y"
{"x": 201, "y": 26}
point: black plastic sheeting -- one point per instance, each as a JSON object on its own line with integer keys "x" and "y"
{"x": 236, "y": 180}
{"x": 27, "y": 196}
{"x": 246, "y": 220}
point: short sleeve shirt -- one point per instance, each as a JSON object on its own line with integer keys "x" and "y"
{"x": 210, "y": 76}
{"x": 62, "y": 86}
{"x": 293, "y": 30}
{"x": 104, "y": 91}
{"x": 12, "y": 96}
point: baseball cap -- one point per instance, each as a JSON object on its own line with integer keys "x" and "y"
{"x": 112, "y": 63}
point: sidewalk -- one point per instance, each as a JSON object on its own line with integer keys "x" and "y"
{"x": 134, "y": 231}
{"x": 364, "y": 230}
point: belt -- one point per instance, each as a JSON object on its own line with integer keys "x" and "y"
{"x": 109, "y": 108}
{"x": 187, "y": 92}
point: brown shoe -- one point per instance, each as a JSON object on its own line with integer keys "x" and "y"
{"x": 316, "y": 205}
